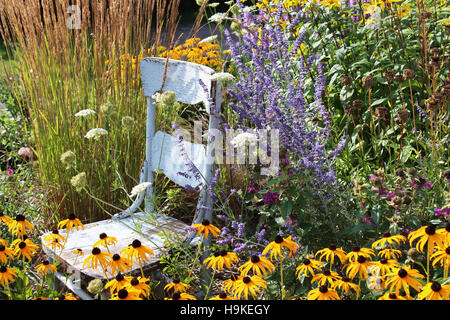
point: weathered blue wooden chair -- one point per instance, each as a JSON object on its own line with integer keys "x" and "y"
{"x": 162, "y": 153}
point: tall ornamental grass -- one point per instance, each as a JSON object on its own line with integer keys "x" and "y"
{"x": 83, "y": 99}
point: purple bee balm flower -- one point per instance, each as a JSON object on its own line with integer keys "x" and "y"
{"x": 271, "y": 197}
{"x": 10, "y": 172}
{"x": 253, "y": 188}
{"x": 442, "y": 212}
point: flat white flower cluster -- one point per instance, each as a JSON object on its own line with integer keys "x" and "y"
{"x": 140, "y": 188}
{"x": 84, "y": 113}
{"x": 96, "y": 133}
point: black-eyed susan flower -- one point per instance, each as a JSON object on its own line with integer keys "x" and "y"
{"x": 327, "y": 276}
{"x": 119, "y": 263}
{"x": 259, "y": 265}
{"x": 126, "y": 294}
{"x": 345, "y": 285}
{"x": 442, "y": 255}
{"x": 25, "y": 249}
{"x": 7, "y": 275}
{"x": 330, "y": 253}
{"x": 181, "y": 296}
{"x": 205, "y": 228}
{"x": 388, "y": 240}
{"x": 445, "y": 232}
{"x": 323, "y": 293}
{"x": 358, "y": 267}
{"x": 78, "y": 252}
{"x": 105, "y": 241}
{"x": 5, "y": 252}
{"x": 228, "y": 284}
{"x": 136, "y": 250}
{"x": 391, "y": 296}
{"x": 67, "y": 296}
{"x": 376, "y": 281}
{"x": 97, "y": 257}
{"x": 275, "y": 247}
{"x": 222, "y": 296}
{"x": 54, "y": 244}
{"x": 308, "y": 266}
{"x": 403, "y": 278}
{"x": 353, "y": 255}
{"x": 426, "y": 235}
{"x": 54, "y": 237}
{"x": 434, "y": 291}
{"x": 19, "y": 226}
{"x": 176, "y": 286}
{"x": 140, "y": 284}
{"x": 71, "y": 222}
{"x": 119, "y": 282}
{"x": 390, "y": 253}
{"x": 5, "y": 219}
{"x": 45, "y": 268}
{"x": 221, "y": 258}
{"x": 253, "y": 284}
{"x": 385, "y": 265}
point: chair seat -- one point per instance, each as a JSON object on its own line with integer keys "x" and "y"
{"x": 150, "y": 230}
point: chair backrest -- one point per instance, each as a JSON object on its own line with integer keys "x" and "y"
{"x": 163, "y": 151}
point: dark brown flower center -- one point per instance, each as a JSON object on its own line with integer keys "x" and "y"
{"x": 383, "y": 261}
{"x": 246, "y": 279}
{"x": 306, "y": 262}
{"x": 402, "y": 273}
{"x": 55, "y": 232}
{"x": 278, "y": 239}
{"x": 176, "y": 280}
{"x": 327, "y": 272}
{"x": 323, "y": 289}
{"x": 22, "y": 245}
{"x": 387, "y": 234}
{"x": 176, "y": 296}
{"x": 20, "y": 218}
{"x": 119, "y": 277}
{"x": 103, "y": 235}
{"x": 392, "y": 295}
{"x": 134, "y": 281}
{"x": 332, "y": 247}
{"x": 205, "y": 222}
{"x": 116, "y": 257}
{"x": 216, "y": 254}
{"x": 430, "y": 230}
{"x": 222, "y": 295}
{"x": 46, "y": 263}
{"x": 72, "y": 217}
{"x": 356, "y": 249}
{"x": 2, "y": 247}
{"x": 436, "y": 286}
{"x": 3, "y": 269}
{"x": 255, "y": 259}
{"x": 447, "y": 251}
{"x": 95, "y": 251}
{"x": 122, "y": 294}
{"x": 136, "y": 243}
{"x": 361, "y": 259}
{"x": 223, "y": 253}
{"x": 447, "y": 227}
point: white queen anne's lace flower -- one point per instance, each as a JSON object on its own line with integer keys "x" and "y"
{"x": 223, "y": 77}
{"x": 210, "y": 39}
{"x": 139, "y": 188}
{"x": 96, "y": 133}
{"x": 84, "y": 113}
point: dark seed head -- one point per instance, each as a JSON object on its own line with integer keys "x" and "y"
{"x": 119, "y": 277}
{"x": 223, "y": 253}
{"x": 356, "y": 249}
{"x": 136, "y": 243}
{"x": 255, "y": 259}
{"x": 22, "y": 245}
{"x": 278, "y": 239}
{"x": 246, "y": 279}
{"x": 436, "y": 286}
{"x": 46, "y": 263}
{"x": 96, "y": 251}
{"x": 323, "y": 289}
{"x": 3, "y": 269}
{"x": 2, "y": 248}
{"x": 332, "y": 247}
{"x": 216, "y": 254}
{"x": 116, "y": 257}
{"x": 205, "y": 222}
{"x": 20, "y": 217}
{"x": 122, "y": 294}
{"x": 72, "y": 216}
{"x": 306, "y": 262}
{"x": 103, "y": 235}
{"x": 383, "y": 260}
{"x": 176, "y": 296}
{"x": 387, "y": 234}
{"x": 55, "y": 232}
{"x": 222, "y": 295}
{"x": 134, "y": 281}
{"x": 327, "y": 272}
{"x": 430, "y": 230}
{"x": 447, "y": 251}
{"x": 392, "y": 295}
{"x": 402, "y": 273}
{"x": 361, "y": 259}
{"x": 447, "y": 227}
